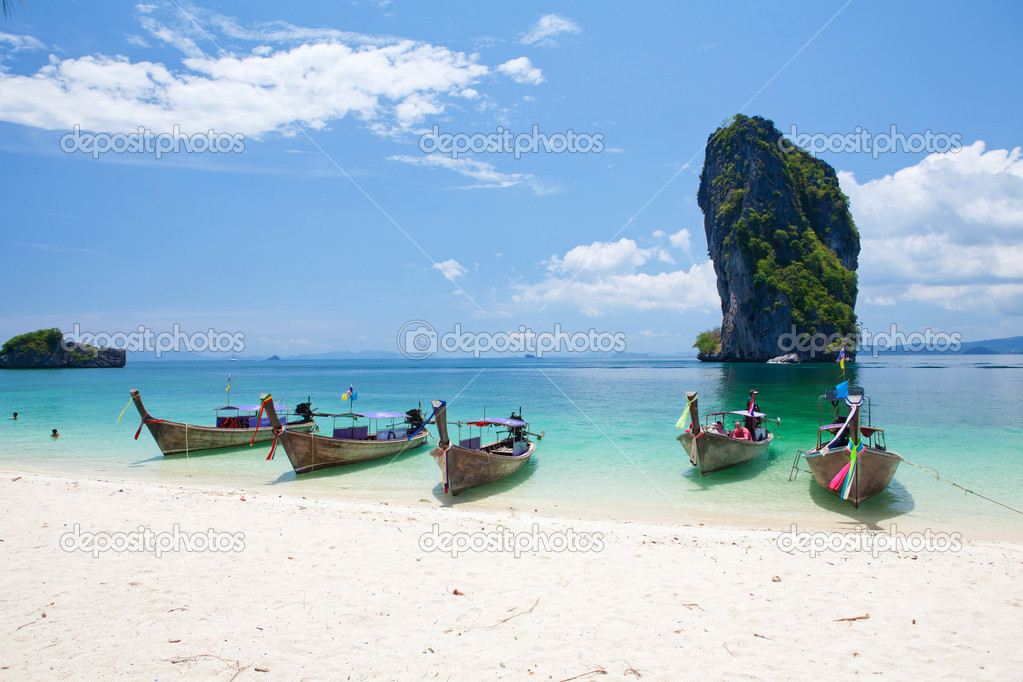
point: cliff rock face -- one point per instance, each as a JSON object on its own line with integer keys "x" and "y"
{"x": 44, "y": 349}
{"x": 783, "y": 244}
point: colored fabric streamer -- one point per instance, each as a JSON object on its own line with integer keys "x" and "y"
{"x": 681, "y": 423}
{"x": 855, "y": 450}
{"x": 841, "y": 358}
{"x": 273, "y": 447}
{"x": 350, "y": 394}
{"x": 848, "y": 419}
{"x": 125, "y": 410}
{"x": 229, "y": 382}
{"x": 259, "y": 417}
{"x": 839, "y": 478}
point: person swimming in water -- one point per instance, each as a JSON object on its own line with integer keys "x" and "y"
{"x": 55, "y": 434}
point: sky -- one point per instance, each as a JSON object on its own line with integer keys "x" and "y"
{"x": 339, "y": 209}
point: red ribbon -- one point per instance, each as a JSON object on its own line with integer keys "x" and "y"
{"x": 273, "y": 447}
{"x": 258, "y": 417}
{"x": 145, "y": 420}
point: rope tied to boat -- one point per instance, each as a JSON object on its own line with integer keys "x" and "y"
{"x": 934, "y": 472}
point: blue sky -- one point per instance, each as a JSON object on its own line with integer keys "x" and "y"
{"x": 332, "y": 228}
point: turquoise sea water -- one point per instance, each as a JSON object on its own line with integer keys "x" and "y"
{"x": 609, "y": 450}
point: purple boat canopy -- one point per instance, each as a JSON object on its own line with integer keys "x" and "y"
{"x": 743, "y": 413}
{"x": 383, "y": 414}
{"x": 497, "y": 421}
{"x": 251, "y": 408}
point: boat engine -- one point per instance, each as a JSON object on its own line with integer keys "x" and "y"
{"x": 304, "y": 410}
{"x": 414, "y": 418}
{"x": 516, "y": 431}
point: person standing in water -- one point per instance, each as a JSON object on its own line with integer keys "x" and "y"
{"x": 55, "y": 434}
{"x": 15, "y": 416}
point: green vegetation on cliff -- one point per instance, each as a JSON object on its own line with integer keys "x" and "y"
{"x": 790, "y": 222}
{"x": 40, "y": 342}
{"x": 708, "y": 342}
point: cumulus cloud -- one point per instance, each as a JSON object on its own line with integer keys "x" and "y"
{"x": 549, "y": 25}
{"x": 450, "y": 269}
{"x": 946, "y": 231}
{"x": 604, "y": 276}
{"x": 308, "y": 76}
{"x": 521, "y": 70}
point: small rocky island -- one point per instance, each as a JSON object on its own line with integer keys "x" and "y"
{"x": 46, "y": 349}
{"x": 783, "y": 244}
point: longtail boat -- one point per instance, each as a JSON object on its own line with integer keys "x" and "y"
{"x": 832, "y": 461}
{"x": 711, "y": 449}
{"x": 469, "y": 463}
{"x": 234, "y": 426}
{"x": 348, "y": 444}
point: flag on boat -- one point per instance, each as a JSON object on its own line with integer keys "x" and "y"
{"x": 752, "y": 403}
{"x": 350, "y": 394}
{"x": 228, "y": 382}
{"x": 841, "y": 358}
{"x": 842, "y": 390}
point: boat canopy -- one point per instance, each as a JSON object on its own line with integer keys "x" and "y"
{"x": 497, "y": 421}
{"x": 383, "y": 414}
{"x": 249, "y": 408}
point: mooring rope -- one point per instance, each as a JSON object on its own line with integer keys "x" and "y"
{"x": 934, "y": 472}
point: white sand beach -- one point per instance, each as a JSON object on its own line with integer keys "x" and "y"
{"x": 327, "y": 589}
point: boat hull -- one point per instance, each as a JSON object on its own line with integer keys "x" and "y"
{"x": 715, "y": 451}
{"x": 463, "y": 468}
{"x": 176, "y": 438}
{"x": 876, "y": 469}
{"x": 310, "y": 452}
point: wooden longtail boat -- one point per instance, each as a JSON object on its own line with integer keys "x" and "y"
{"x": 310, "y": 451}
{"x": 712, "y": 451}
{"x": 234, "y": 429}
{"x": 875, "y": 465}
{"x": 470, "y": 464}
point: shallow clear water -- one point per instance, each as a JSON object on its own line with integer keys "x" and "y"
{"x": 609, "y": 448}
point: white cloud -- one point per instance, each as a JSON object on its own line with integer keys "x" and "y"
{"x": 604, "y": 276}
{"x": 682, "y": 240}
{"x": 18, "y": 43}
{"x": 484, "y": 173}
{"x": 549, "y": 25}
{"x": 521, "y": 70}
{"x": 318, "y": 76}
{"x": 947, "y": 231}
{"x": 450, "y": 269}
